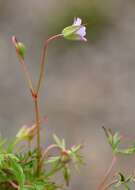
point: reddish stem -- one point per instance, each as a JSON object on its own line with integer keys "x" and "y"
{"x": 42, "y": 61}
{"x": 107, "y": 174}
{"x": 47, "y": 150}
{"x": 26, "y": 72}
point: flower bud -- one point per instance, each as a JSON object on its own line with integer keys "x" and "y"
{"x": 76, "y": 31}
{"x": 65, "y": 157}
{"x": 27, "y": 133}
{"x": 20, "y": 47}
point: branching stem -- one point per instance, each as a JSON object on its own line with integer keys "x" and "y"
{"x": 35, "y": 92}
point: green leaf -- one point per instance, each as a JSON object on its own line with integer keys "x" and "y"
{"x": 53, "y": 159}
{"x": 63, "y": 143}
{"x": 127, "y": 151}
{"x": 122, "y": 178}
{"x": 124, "y": 181}
{"x": 67, "y": 175}
{"x": 60, "y": 143}
{"x": 76, "y": 148}
{"x": 2, "y": 142}
{"x": 114, "y": 139}
{"x": 18, "y": 172}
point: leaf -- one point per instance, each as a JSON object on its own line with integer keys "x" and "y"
{"x": 60, "y": 143}
{"x": 124, "y": 181}
{"x": 63, "y": 143}
{"x": 127, "y": 151}
{"x": 11, "y": 145}
{"x": 18, "y": 172}
{"x": 67, "y": 175}
{"x": 116, "y": 141}
{"x": 53, "y": 159}
{"x": 122, "y": 178}
{"x": 2, "y": 142}
{"x": 76, "y": 148}
{"x": 113, "y": 139}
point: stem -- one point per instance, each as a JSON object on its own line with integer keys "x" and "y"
{"x": 42, "y": 61}
{"x": 47, "y": 150}
{"x": 29, "y": 145}
{"x": 35, "y": 92}
{"x": 36, "y": 101}
{"x": 110, "y": 184}
{"x": 35, "y": 96}
{"x": 14, "y": 185}
{"x": 101, "y": 186}
{"x": 26, "y": 72}
{"x": 53, "y": 171}
{"x": 27, "y": 75}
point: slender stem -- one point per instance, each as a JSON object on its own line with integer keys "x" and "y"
{"x": 36, "y": 101}
{"x": 27, "y": 75}
{"x": 14, "y": 185}
{"x": 110, "y": 184}
{"x": 47, "y": 150}
{"x": 101, "y": 186}
{"x": 42, "y": 61}
{"x": 35, "y": 95}
{"x": 26, "y": 72}
{"x": 29, "y": 145}
{"x": 54, "y": 170}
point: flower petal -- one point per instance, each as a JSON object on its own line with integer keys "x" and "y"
{"x": 84, "y": 39}
{"x": 81, "y": 31}
{"x": 77, "y": 21}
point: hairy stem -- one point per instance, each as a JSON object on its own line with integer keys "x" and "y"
{"x": 107, "y": 174}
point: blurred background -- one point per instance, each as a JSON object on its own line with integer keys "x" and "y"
{"x": 87, "y": 85}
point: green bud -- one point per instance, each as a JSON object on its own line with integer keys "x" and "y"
{"x": 21, "y": 49}
{"x": 26, "y": 132}
{"x": 22, "y": 134}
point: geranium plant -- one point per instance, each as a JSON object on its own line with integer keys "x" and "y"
{"x": 34, "y": 168}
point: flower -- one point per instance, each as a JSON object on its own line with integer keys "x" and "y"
{"x": 76, "y": 31}
{"x": 27, "y": 132}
